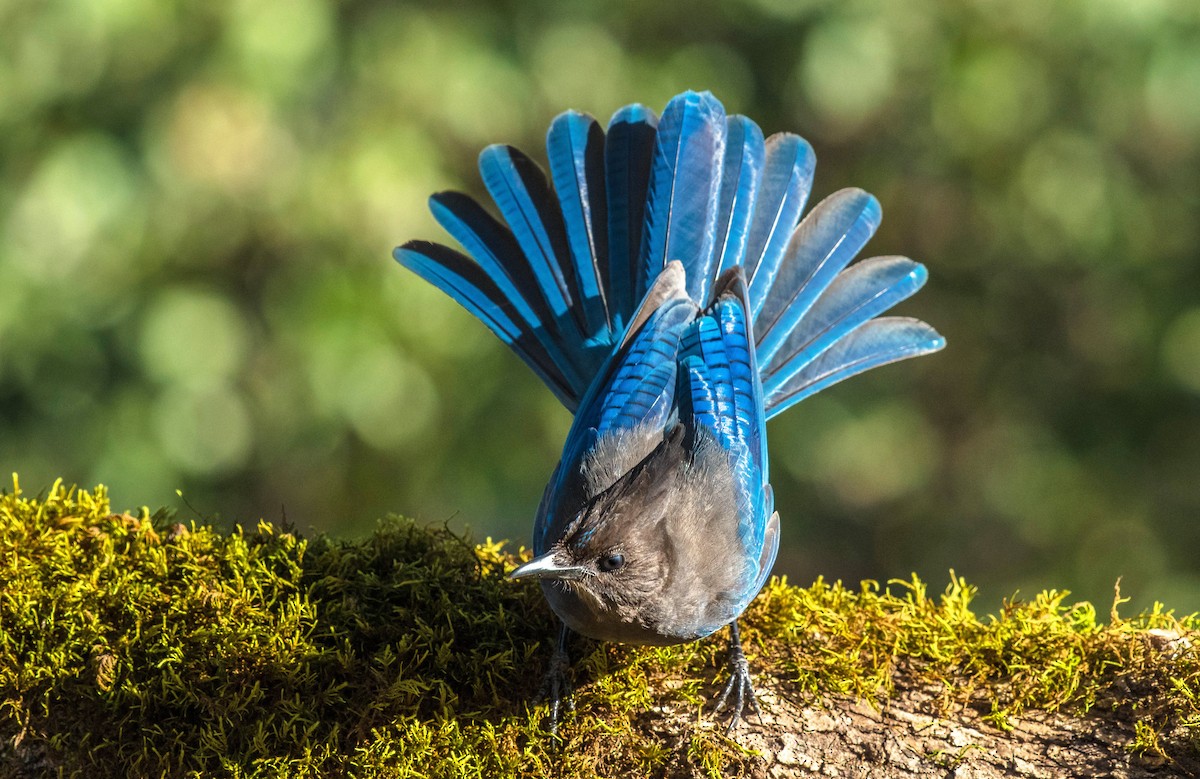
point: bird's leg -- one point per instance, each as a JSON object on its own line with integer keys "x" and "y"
{"x": 556, "y": 687}
{"x": 739, "y": 684}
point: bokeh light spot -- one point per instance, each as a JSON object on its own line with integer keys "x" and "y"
{"x": 82, "y": 188}
{"x": 1181, "y": 350}
{"x": 225, "y": 138}
{"x": 278, "y": 39}
{"x": 1064, "y": 178}
{"x": 1173, "y": 87}
{"x": 590, "y": 50}
{"x": 387, "y": 399}
{"x": 203, "y": 431}
{"x": 998, "y": 95}
{"x": 877, "y": 457}
{"x": 193, "y": 337}
{"x": 848, "y": 69}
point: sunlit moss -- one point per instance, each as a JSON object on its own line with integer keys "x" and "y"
{"x": 1038, "y": 157}
{"x": 131, "y": 644}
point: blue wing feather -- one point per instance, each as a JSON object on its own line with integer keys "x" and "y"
{"x": 640, "y": 372}
{"x": 721, "y": 399}
{"x": 645, "y": 400}
{"x": 725, "y": 393}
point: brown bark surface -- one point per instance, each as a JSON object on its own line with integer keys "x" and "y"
{"x": 909, "y": 736}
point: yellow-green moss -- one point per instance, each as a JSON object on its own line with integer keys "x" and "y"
{"x": 130, "y": 645}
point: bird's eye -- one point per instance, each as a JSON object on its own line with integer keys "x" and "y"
{"x": 612, "y": 562}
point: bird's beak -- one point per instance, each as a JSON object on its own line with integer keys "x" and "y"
{"x": 546, "y": 567}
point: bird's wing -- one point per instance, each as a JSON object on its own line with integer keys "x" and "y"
{"x": 637, "y": 386}
{"x": 633, "y": 396}
{"x": 721, "y": 398}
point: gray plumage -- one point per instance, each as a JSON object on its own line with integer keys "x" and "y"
{"x": 669, "y": 515}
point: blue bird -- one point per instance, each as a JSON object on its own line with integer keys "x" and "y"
{"x": 664, "y": 287}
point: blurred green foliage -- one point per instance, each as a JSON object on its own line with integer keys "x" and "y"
{"x": 198, "y": 199}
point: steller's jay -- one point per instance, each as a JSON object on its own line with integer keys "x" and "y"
{"x": 660, "y": 286}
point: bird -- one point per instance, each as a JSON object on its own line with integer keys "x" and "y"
{"x": 664, "y": 286}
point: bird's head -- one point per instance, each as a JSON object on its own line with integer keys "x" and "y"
{"x": 654, "y": 555}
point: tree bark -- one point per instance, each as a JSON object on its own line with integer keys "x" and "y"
{"x": 907, "y": 737}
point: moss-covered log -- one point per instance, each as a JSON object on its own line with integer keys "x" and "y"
{"x": 138, "y": 646}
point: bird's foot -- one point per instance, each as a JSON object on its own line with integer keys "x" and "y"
{"x": 740, "y": 686}
{"x": 556, "y": 687}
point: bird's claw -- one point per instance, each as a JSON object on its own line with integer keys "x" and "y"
{"x": 556, "y": 688}
{"x": 740, "y": 686}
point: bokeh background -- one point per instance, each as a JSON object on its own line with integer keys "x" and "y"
{"x": 198, "y": 199}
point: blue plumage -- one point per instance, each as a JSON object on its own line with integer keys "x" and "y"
{"x": 741, "y": 174}
{"x": 681, "y": 206}
{"x": 628, "y": 150}
{"x": 519, "y": 189}
{"x": 575, "y": 148}
{"x": 786, "y": 181}
{"x": 822, "y": 246}
{"x": 663, "y": 290}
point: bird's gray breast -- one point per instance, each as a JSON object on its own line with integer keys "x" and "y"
{"x": 688, "y": 572}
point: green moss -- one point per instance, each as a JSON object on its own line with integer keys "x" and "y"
{"x": 130, "y": 645}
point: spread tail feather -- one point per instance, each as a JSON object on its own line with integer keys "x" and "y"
{"x": 561, "y": 282}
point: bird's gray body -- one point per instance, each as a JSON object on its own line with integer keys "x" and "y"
{"x": 671, "y": 511}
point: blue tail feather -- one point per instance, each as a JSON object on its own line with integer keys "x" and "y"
{"x": 500, "y": 257}
{"x": 878, "y": 342}
{"x": 786, "y": 182}
{"x": 741, "y": 173}
{"x": 465, "y": 282}
{"x": 824, "y": 243}
{"x": 494, "y": 248}
{"x": 628, "y": 151}
{"x": 575, "y": 149}
{"x": 508, "y": 175}
{"x": 858, "y": 294}
{"x": 684, "y": 181}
